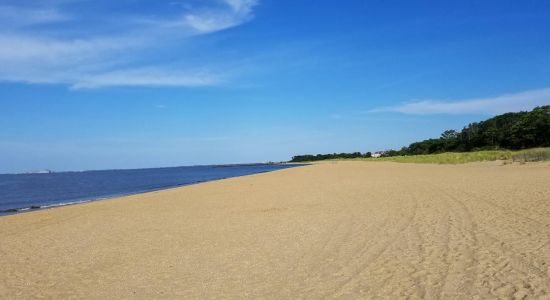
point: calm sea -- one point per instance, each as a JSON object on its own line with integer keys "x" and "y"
{"x": 23, "y": 192}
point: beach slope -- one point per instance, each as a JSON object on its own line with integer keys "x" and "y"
{"x": 329, "y": 230}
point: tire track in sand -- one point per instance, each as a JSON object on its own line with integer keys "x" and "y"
{"x": 375, "y": 247}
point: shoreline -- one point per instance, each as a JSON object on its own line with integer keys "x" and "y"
{"x": 17, "y": 211}
{"x": 333, "y": 230}
{"x": 77, "y": 201}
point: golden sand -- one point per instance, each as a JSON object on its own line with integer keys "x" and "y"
{"x": 331, "y": 230}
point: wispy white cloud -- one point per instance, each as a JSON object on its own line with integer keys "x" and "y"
{"x": 151, "y": 77}
{"x": 15, "y": 16}
{"x": 33, "y": 59}
{"x": 491, "y": 105}
{"x": 24, "y": 48}
{"x": 60, "y": 55}
{"x": 210, "y": 20}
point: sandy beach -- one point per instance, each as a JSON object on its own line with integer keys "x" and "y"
{"x": 329, "y": 230}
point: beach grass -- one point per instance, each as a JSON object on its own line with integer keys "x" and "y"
{"x": 521, "y": 156}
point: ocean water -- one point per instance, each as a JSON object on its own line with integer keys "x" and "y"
{"x": 24, "y": 192}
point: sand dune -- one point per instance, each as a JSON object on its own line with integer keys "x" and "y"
{"x": 331, "y": 230}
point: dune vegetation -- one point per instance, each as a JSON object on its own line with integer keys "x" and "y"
{"x": 507, "y": 156}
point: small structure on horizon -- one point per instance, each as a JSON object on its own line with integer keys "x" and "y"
{"x": 377, "y": 154}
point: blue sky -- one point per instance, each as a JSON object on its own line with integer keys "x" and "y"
{"x": 143, "y": 83}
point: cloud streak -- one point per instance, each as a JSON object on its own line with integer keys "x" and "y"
{"x": 148, "y": 77}
{"x": 491, "y": 105}
{"x": 14, "y": 16}
{"x": 59, "y": 54}
{"x": 210, "y": 20}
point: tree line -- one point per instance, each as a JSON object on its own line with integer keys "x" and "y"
{"x": 309, "y": 157}
{"x": 519, "y": 130}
